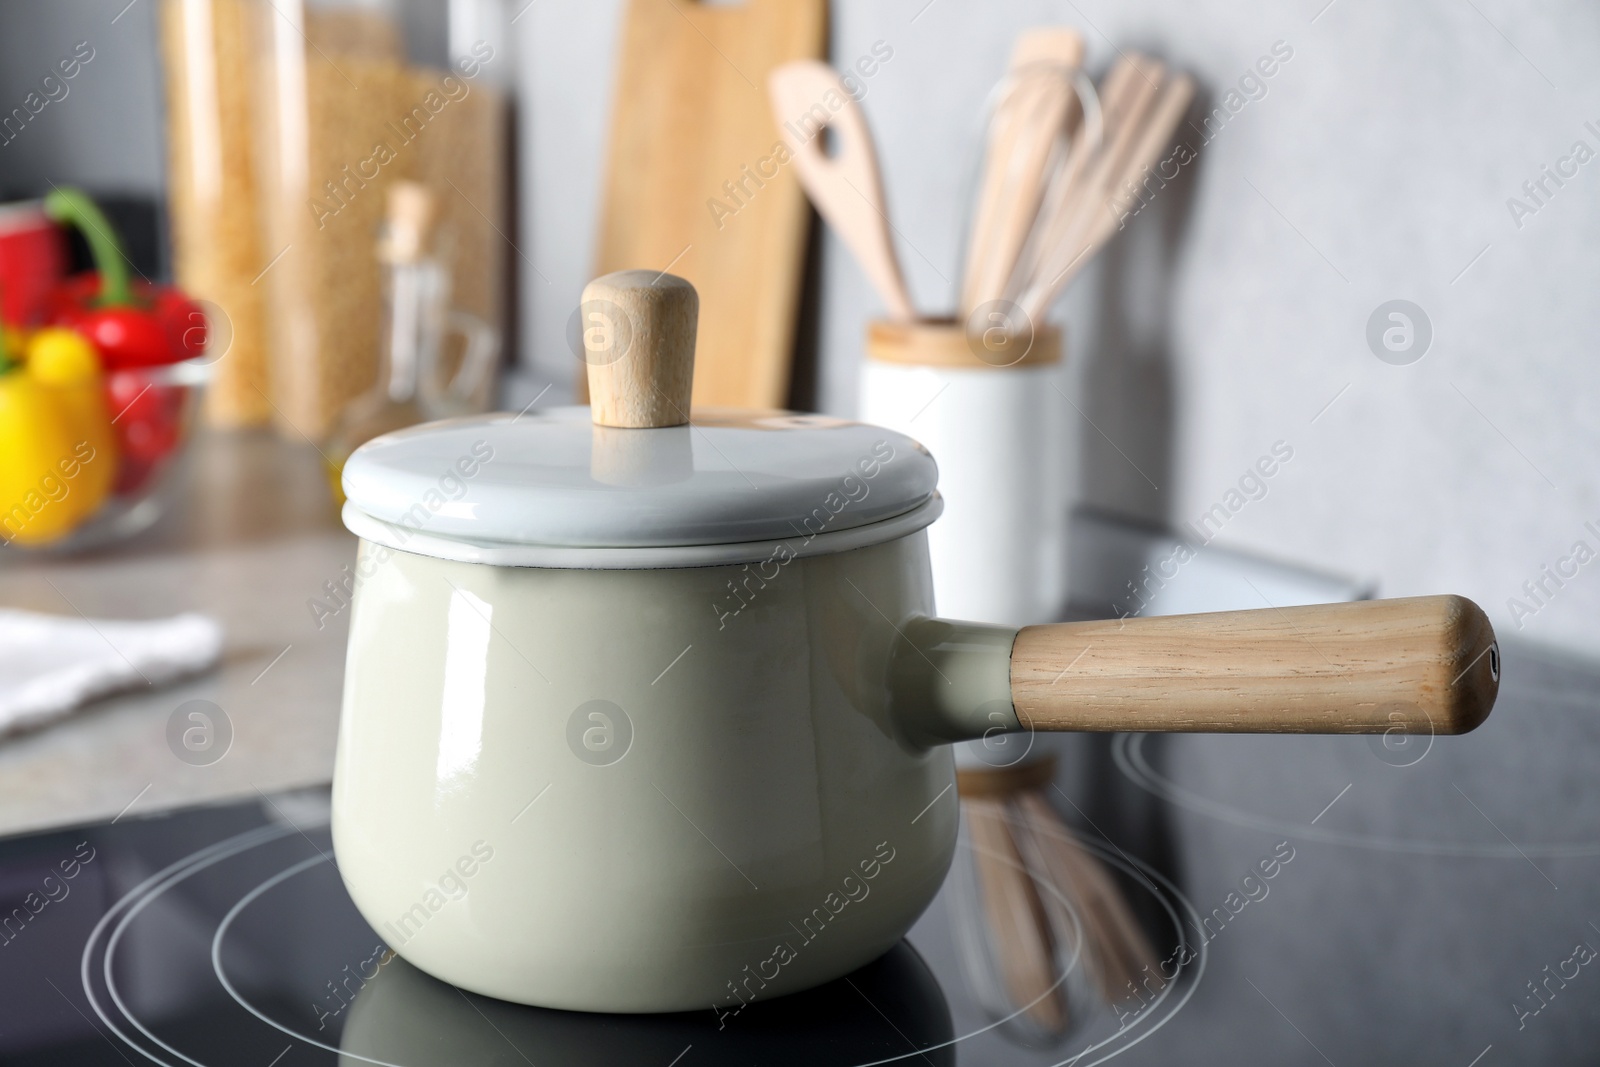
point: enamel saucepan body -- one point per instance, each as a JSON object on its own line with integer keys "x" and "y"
{"x": 662, "y": 805}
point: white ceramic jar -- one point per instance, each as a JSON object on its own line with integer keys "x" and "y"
{"x": 643, "y": 714}
{"x": 994, "y": 417}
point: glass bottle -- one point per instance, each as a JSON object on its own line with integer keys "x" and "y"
{"x": 416, "y": 320}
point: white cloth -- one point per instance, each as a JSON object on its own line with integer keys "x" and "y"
{"x": 52, "y": 664}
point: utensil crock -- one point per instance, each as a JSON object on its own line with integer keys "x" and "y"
{"x": 990, "y": 409}
{"x": 645, "y": 713}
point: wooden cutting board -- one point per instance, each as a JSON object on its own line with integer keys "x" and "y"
{"x": 692, "y": 185}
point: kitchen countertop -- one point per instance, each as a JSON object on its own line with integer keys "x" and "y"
{"x": 251, "y": 542}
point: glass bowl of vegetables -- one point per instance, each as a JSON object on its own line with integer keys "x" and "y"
{"x": 99, "y": 404}
{"x": 155, "y": 411}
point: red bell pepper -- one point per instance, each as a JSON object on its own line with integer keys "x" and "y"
{"x": 131, "y": 323}
{"x": 149, "y": 425}
{"x": 33, "y": 258}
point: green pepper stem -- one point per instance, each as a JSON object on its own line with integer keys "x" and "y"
{"x": 6, "y": 362}
{"x": 73, "y": 207}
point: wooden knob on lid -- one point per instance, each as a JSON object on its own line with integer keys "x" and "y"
{"x": 638, "y": 338}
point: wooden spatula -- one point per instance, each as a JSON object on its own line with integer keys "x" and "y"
{"x": 845, "y": 187}
{"x": 1143, "y": 104}
{"x": 1028, "y": 119}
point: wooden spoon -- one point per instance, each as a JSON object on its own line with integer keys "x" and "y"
{"x": 808, "y": 98}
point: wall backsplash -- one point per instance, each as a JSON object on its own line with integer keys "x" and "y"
{"x": 1436, "y": 153}
{"x": 1381, "y": 160}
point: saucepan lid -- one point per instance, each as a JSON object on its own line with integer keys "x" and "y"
{"x": 634, "y": 480}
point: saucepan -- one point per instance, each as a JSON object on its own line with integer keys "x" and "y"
{"x": 648, "y": 710}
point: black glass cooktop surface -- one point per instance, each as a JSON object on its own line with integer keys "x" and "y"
{"x": 223, "y": 935}
{"x": 1437, "y": 903}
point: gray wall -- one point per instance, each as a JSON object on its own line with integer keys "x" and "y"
{"x": 1377, "y": 166}
{"x": 105, "y": 132}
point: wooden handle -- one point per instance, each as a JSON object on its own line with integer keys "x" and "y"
{"x": 845, "y": 187}
{"x": 638, "y": 339}
{"x": 1417, "y": 665}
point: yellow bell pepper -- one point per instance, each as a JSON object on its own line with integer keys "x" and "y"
{"x": 57, "y": 450}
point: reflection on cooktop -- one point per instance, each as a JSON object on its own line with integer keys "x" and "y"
{"x": 402, "y": 1016}
{"x": 224, "y": 936}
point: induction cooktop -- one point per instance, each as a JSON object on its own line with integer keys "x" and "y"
{"x": 223, "y": 935}
{"x": 1435, "y": 900}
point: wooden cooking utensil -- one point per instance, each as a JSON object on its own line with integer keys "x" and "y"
{"x": 1131, "y": 89}
{"x": 1143, "y": 105}
{"x": 845, "y": 187}
{"x": 1066, "y": 193}
{"x": 1172, "y": 101}
{"x": 1059, "y": 197}
{"x": 1023, "y": 135}
{"x": 1100, "y": 220}
{"x": 691, "y": 184}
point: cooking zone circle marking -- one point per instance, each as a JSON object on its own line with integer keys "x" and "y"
{"x": 1128, "y": 752}
{"x": 216, "y": 962}
{"x": 1140, "y": 873}
{"x": 197, "y": 860}
{"x": 125, "y": 911}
